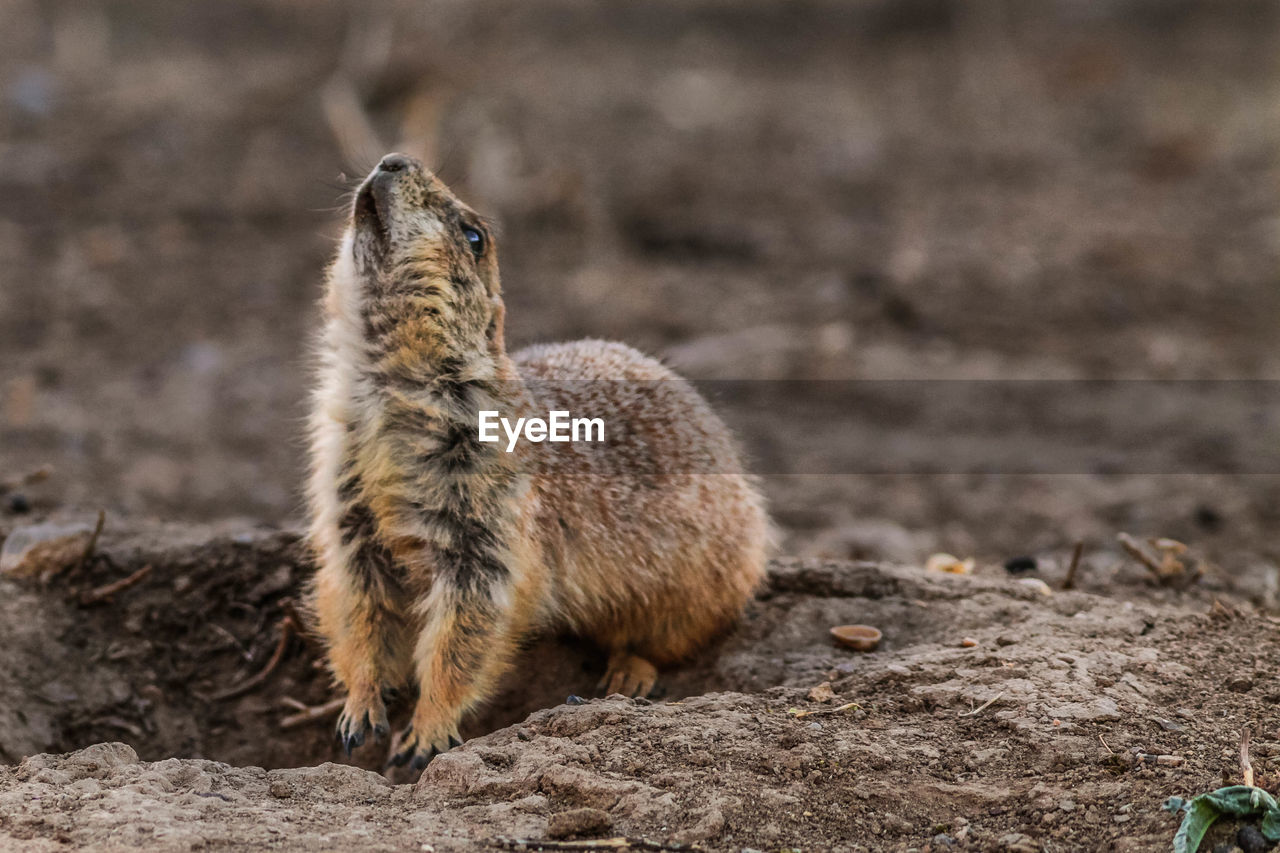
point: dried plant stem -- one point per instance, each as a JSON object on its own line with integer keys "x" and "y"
{"x": 309, "y": 714}
{"x": 1246, "y": 766}
{"x": 1070, "y": 581}
{"x": 106, "y": 591}
{"x": 984, "y": 706}
{"x": 286, "y": 631}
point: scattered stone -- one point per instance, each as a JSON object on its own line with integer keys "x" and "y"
{"x": 949, "y": 564}
{"x": 968, "y": 643}
{"x": 579, "y": 822}
{"x": 1036, "y": 584}
{"x": 861, "y": 638}
{"x": 281, "y": 789}
{"x": 575, "y": 699}
{"x": 1016, "y": 842}
{"x": 1006, "y": 640}
{"x": 1020, "y": 565}
{"x": 44, "y": 549}
{"x": 1241, "y": 684}
{"x": 822, "y": 693}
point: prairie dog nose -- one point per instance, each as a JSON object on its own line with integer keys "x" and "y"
{"x": 396, "y": 163}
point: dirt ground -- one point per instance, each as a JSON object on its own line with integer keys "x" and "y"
{"x": 992, "y": 717}
{"x": 868, "y": 194}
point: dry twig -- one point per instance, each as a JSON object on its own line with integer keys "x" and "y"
{"x": 821, "y": 712}
{"x": 618, "y": 843}
{"x": 286, "y": 631}
{"x": 231, "y": 638}
{"x": 1136, "y": 551}
{"x": 93, "y": 541}
{"x": 1070, "y": 581}
{"x": 311, "y": 713}
{"x": 301, "y": 625}
{"x": 1169, "y": 568}
{"x": 106, "y": 591}
{"x": 1246, "y": 766}
{"x": 984, "y": 706}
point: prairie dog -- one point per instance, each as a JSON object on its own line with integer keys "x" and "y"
{"x": 438, "y": 552}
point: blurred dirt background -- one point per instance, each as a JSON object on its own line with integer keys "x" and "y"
{"x": 871, "y": 189}
{"x": 913, "y": 189}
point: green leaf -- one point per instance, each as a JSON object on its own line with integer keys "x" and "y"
{"x": 1200, "y": 816}
{"x": 1270, "y": 826}
{"x": 1236, "y": 801}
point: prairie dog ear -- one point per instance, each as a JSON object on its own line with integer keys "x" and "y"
{"x": 497, "y": 321}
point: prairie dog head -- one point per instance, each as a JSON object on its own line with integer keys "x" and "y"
{"x": 417, "y": 267}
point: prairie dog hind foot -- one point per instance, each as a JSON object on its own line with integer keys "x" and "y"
{"x": 628, "y": 674}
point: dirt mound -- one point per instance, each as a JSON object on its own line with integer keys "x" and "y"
{"x": 992, "y": 716}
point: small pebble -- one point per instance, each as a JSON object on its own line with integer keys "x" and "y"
{"x": 281, "y": 789}
{"x": 575, "y": 699}
{"x": 862, "y": 638}
{"x": 968, "y": 643}
{"x": 43, "y": 549}
{"x": 1037, "y": 585}
{"x": 1020, "y": 565}
{"x": 949, "y": 564}
{"x": 822, "y": 693}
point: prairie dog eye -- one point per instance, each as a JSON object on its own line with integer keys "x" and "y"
{"x": 475, "y": 240}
